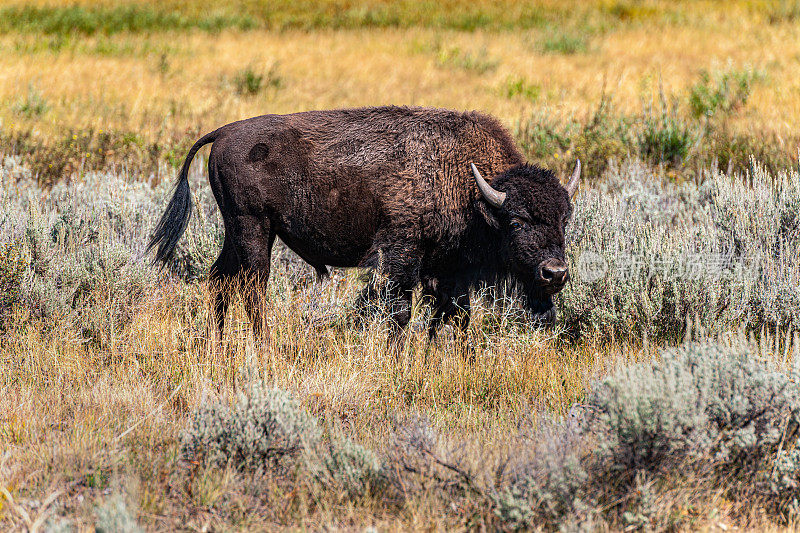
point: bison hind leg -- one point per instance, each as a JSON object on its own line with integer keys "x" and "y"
{"x": 253, "y": 238}
{"x": 322, "y": 272}
{"x": 222, "y": 278}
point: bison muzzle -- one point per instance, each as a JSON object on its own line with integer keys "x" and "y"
{"x": 395, "y": 189}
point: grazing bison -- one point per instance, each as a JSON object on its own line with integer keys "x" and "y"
{"x": 396, "y": 189}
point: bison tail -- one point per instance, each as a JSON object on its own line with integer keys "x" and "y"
{"x": 176, "y": 217}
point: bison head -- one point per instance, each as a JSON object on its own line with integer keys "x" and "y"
{"x": 530, "y": 209}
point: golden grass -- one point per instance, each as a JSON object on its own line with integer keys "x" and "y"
{"x": 77, "y": 420}
{"x": 80, "y": 422}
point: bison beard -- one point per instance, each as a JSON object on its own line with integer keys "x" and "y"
{"x": 398, "y": 190}
{"x": 541, "y": 308}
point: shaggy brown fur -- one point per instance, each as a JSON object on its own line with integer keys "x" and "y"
{"x": 388, "y": 188}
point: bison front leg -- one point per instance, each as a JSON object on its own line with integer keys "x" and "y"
{"x": 401, "y": 267}
{"x": 385, "y": 297}
{"x": 400, "y": 309}
{"x": 367, "y": 303}
{"x": 396, "y": 273}
{"x": 450, "y": 303}
{"x": 456, "y": 310}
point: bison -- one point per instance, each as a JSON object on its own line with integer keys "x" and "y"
{"x": 400, "y": 190}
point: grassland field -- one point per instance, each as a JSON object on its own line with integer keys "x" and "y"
{"x": 117, "y": 400}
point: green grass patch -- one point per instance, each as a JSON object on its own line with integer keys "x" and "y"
{"x": 100, "y": 45}
{"x": 454, "y": 57}
{"x": 682, "y": 132}
{"x": 108, "y": 20}
{"x": 331, "y": 14}
{"x": 602, "y": 136}
{"x": 32, "y": 104}
{"x": 518, "y": 87}
{"x": 564, "y": 43}
{"x": 664, "y": 137}
{"x": 721, "y": 92}
{"x": 251, "y": 81}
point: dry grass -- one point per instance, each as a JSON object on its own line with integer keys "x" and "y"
{"x": 81, "y": 421}
{"x": 86, "y": 422}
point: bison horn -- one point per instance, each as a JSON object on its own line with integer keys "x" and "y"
{"x": 493, "y": 196}
{"x": 572, "y": 184}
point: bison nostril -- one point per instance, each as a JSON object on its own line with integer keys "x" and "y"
{"x": 554, "y": 273}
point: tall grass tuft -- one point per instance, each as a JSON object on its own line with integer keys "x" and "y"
{"x": 32, "y": 105}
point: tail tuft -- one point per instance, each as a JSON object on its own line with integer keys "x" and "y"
{"x": 176, "y": 217}
{"x": 172, "y": 224}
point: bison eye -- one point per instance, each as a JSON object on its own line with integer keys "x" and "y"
{"x": 517, "y": 223}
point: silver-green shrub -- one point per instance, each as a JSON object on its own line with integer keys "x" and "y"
{"x": 702, "y": 402}
{"x": 785, "y": 476}
{"x": 75, "y": 253}
{"x": 545, "y": 478}
{"x": 58, "y": 525}
{"x": 82, "y": 245}
{"x": 346, "y": 467}
{"x": 114, "y": 517}
{"x": 717, "y": 413}
{"x": 647, "y": 254}
{"x": 264, "y": 427}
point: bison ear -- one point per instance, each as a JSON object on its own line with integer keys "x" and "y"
{"x": 488, "y": 214}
